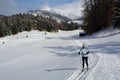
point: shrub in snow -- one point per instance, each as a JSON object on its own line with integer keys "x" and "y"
{"x": 26, "y": 36}
{"x": 3, "y": 42}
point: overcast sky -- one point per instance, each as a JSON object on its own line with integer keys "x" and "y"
{"x": 8, "y": 7}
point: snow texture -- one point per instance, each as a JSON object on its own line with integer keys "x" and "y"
{"x": 54, "y": 56}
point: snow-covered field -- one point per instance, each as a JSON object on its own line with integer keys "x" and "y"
{"x": 36, "y": 56}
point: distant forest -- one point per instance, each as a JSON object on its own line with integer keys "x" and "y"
{"x": 10, "y": 25}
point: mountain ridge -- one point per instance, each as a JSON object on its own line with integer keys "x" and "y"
{"x": 56, "y": 14}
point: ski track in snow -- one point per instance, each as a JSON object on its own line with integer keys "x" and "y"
{"x": 108, "y": 66}
{"x": 78, "y": 74}
{"x": 104, "y": 66}
{"x": 108, "y": 50}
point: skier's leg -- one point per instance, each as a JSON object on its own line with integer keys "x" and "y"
{"x": 86, "y": 59}
{"x": 83, "y": 62}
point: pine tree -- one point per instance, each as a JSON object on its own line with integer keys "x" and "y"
{"x": 97, "y": 15}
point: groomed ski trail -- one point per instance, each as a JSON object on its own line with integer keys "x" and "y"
{"x": 79, "y": 75}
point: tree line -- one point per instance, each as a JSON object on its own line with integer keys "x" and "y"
{"x": 99, "y": 14}
{"x": 10, "y": 25}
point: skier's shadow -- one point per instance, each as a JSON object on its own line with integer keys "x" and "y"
{"x": 60, "y": 69}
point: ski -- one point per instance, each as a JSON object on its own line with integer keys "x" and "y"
{"x": 77, "y": 74}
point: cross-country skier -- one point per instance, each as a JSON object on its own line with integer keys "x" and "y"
{"x": 84, "y": 53}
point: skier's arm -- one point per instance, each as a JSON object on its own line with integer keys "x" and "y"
{"x": 80, "y": 51}
{"x": 88, "y": 51}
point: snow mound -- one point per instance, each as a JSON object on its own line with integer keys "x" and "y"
{"x": 106, "y": 32}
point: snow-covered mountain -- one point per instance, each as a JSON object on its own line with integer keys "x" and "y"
{"x": 66, "y": 12}
{"x": 49, "y": 12}
{"x": 72, "y": 10}
{"x": 58, "y": 13}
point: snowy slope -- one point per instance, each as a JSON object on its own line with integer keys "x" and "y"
{"x": 105, "y": 33}
{"x": 36, "y": 56}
